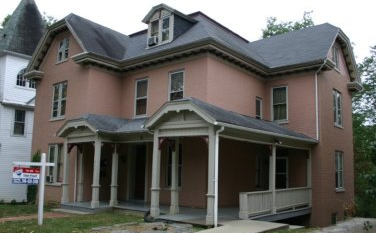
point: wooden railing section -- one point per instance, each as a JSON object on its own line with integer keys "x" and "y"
{"x": 259, "y": 203}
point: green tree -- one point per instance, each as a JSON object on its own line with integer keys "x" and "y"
{"x": 48, "y": 19}
{"x": 276, "y": 28}
{"x": 364, "y": 123}
{"x": 5, "y": 20}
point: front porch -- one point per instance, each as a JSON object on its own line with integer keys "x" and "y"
{"x": 194, "y": 167}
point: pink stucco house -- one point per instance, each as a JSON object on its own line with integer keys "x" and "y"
{"x": 187, "y": 114}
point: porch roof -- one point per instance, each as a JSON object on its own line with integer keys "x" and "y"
{"x": 104, "y": 124}
{"x": 219, "y": 116}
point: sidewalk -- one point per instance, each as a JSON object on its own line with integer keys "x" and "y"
{"x": 246, "y": 226}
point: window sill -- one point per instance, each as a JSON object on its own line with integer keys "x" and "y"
{"x": 57, "y": 119}
{"x": 140, "y": 116}
{"x": 281, "y": 122}
{"x": 340, "y": 190}
{"x": 62, "y": 61}
{"x": 338, "y": 126}
{"x": 25, "y": 88}
{"x": 19, "y": 135}
{"x": 53, "y": 184}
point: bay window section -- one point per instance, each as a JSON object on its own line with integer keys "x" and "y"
{"x": 337, "y": 108}
{"x": 55, "y": 174}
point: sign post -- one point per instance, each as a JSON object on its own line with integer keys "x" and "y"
{"x": 42, "y": 164}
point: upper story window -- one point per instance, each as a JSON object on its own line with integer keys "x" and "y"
{"x": 176, "y": 90}
{"x": 22, "y": 81}
{"x": 339, "y": 170}
{"x": 19, "y": 122}
{"x": 258, "y": 108}
{"x": 335, "y": 56}
{"x": 160, "y": 28}
{"x": 337, "y": 108}
{"x": 59, "y": 100}
{"x": 141, "y": 97}
{"x": 63, "y": 49}
{"x": 279, "y": 104}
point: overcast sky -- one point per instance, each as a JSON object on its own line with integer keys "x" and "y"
{"x": 245, "y": 17}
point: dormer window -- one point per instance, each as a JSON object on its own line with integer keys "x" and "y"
{"x": 63, "y": 49}
{"x": 160, "y": 28}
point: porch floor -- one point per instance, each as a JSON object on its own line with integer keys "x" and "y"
{"x": 194, "y": 216}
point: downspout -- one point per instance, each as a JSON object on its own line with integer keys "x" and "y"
{"x": 317, "y": 99}
{"x": 216, "y": 158}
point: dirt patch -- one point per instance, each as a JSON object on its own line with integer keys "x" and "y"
{"x": 157, "y": 227}
{"x": 34, "y": 216}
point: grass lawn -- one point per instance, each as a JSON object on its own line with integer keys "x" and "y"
{"x": 71, "y": 224}
{"x": 8, "y": 210}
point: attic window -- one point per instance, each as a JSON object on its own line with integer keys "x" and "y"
{"x": 160, "y": 28}
{"x": 335, "y": 56}
{"x": 63, "y": 49}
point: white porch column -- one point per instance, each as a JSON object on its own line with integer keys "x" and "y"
{"x": 272, "y": 171}
{"x": 211, "y": 178}
{"x": 114, "y": 177}
{"x": 174, "y": 208}
{"x": 155, "y": 186}
{"x": 96, "y": 172}
{"x": 80, "y": 188}
{"x": 65, "y": 184}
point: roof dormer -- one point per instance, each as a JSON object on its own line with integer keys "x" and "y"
{"x": 165, "y": 24}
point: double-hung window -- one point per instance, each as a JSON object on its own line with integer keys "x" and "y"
{"x": 176, "y": 85}
{"x": 19, "y": 122}
{"x": 335, "y": 56}
{"x": 339, "y": 171}
{"x": 258, "y": 108}
{"x": 59, "y": 100}
{"x": 160, "y": 28}
{"x": 55, "y": 173}
{"x": 337, "y": 108}
{"x": 141, "y": 97}
{"x": 165, "y": 29}
{"x": 169, "y": 165}
{"x": 22, "y": 82}
{"x": 63, "y": 50}
{"x": 279, "y": 98}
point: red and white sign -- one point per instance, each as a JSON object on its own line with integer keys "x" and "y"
{"x": 25, "y": 175}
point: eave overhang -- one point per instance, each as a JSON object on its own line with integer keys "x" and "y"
{"x": 34, "y": 75}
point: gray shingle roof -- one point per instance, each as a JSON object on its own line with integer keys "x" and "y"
{"x": 111, "y": 124}
{"x": 295, "y": 48}
{"x": 24, "y": 29}
{"x": 233, "y": 118}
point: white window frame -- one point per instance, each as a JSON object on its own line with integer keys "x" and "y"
{"x": 337, "y": 108}
{"x": 159, "y": 35}
{"x": 170, "y": 82}
{"x": 59, "y": 100}
{"x": 169, "y": 166}
{"x": 62, "y": 50}
{"x": 52, "y": 173}
{"x": 19, "y": 122}
{"x": 142, "y": 97}
{"x": 287, "y": 105}
{"x": 339, "y": 174}
{"x": 258, "y": 100}
{"x": 22, "y": 82}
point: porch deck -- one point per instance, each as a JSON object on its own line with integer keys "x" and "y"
{"x": 194, "y": 216}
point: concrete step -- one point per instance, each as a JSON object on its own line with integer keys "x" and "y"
{"x": 247, "y": 226}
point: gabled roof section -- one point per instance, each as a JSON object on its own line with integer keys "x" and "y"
{"x": 103, "y": 124}
{"x": 167, "y": 8}
{"x": 219, "y": 116}
{"x": 24, "y": 29}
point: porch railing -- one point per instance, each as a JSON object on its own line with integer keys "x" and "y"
{"x": 258, "y": 203}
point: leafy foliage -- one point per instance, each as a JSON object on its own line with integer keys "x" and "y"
{"x": 274, "y": 28}
{"x": 364, "y": 123}
{"x": 33, "y": 189}
{"x": 5, "y": 20}
{"x": 48, "y": 19}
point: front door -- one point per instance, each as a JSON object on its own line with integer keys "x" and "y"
{"x": 136, "y": 172}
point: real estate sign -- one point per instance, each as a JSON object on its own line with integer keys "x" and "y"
{"x": 25, "y": 175}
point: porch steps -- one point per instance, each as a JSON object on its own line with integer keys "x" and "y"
{"x": 247, "y": 226}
